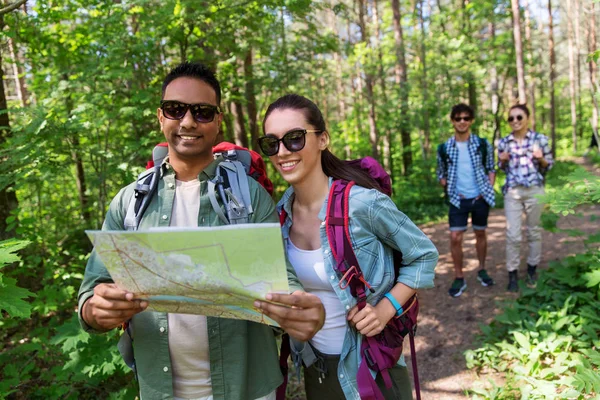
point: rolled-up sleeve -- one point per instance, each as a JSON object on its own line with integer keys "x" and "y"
{"x": 95, "y": 270}
{"x": 396, "y": 230}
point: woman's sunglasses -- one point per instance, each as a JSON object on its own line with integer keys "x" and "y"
{"x": 201, "y": 112}
{"x": 293, "y": 141}
{"x": 518, "y": 117}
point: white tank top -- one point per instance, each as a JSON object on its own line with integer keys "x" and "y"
{"x": 310, "y": 269}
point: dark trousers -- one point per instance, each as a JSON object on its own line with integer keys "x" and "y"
{"x": 329, "y": 388}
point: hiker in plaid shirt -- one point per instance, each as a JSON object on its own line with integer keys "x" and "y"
{"x": 465, "y": 168}
{"x": 525, "y": 156}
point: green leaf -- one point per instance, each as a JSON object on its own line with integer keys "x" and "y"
{"x": 11, "y": 299}
{"x": 522, "y": 340}
{"x": 8, "y": 247}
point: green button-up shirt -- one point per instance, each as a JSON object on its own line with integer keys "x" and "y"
{"x": 243, "y": 354}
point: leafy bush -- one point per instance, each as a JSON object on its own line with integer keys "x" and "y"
{"x": 547, "y": 341}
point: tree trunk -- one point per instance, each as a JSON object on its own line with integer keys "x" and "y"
{"x": 387, "y": 138}
{"x": 251, "y": 98}
{"x": 572, "y": 81}
{"x": 401, "y": 76}
{"x": 424, "y": 88}
{"x": 373, "y": 136}
{"x": 229, "y": 134}
{"x": 340, "y": 89}
{"x": 8, "y": 197}
{"x": 593, "y": 70}
{"x": 78, "y": 160}
{"x": 532, "y": 67}
{"x": 495, "y": 106}
{"x": 516, "y": 20}
{"x": 18, "y": 73}
{"x": 578, "y": 66}
{"x": 239, "y": 126}
{"x": 552, "y": 77}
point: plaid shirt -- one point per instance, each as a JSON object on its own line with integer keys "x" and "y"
{"x": 450, "y": 170}
{"x": 522, "y": 169}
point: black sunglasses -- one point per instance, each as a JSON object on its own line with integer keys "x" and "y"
{"x": 518, "y": 117}
{"x": 466, "y": 119}
{"x": 172, "y": 109}
{"x": 293, "y": 140}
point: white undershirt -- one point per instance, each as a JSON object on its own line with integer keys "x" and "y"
{"x": 188, "y": 334}
{"x": 310, "y": 269}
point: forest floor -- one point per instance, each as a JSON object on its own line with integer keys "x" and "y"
{"x": 449, "y": 326}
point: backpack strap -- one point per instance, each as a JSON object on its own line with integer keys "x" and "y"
{"x": 482, "y": 147}
{"x": 144, "y": 190}
{"x": 231, "y": 185}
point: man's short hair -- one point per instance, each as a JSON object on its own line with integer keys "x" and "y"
{"x": 193, "y": 70}
{"x": 462, "y": 108}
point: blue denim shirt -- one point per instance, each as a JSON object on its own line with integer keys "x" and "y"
{"x": 376, "y": 226}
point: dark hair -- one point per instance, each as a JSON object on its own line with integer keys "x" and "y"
{"x": 193, "y": 70}
{"x": 521, "y": 107}
{"x": 462, "y": 108}
{"x": 332, "y": 166}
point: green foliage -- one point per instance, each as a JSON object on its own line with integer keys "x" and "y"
{"x": 546, "y": 342}
{"x": 12, "y": 297}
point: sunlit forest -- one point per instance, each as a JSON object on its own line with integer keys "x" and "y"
{"x": 81, "y": 83}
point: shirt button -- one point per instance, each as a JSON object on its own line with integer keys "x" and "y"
{"x": 323, "y": 223}
{"x": 165, "y": 217}
{"x": 162, "y": 329}
{"x": 347, "y": 307}
{"x": 171, "y": 186}
{"x": 332, "y": 276}
{"x": 326, "y": 252}
{"x": 166, "y": 369}
{"x": 341, "y": 376}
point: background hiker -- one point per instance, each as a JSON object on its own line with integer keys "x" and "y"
{"x": 296, "y": 140}
{"x": 465, "y": 168}
{"x": 193, "y": 356}
{"x": 525, "y": 156}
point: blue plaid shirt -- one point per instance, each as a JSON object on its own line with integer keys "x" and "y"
{"x": 522, "y": 169}
{"x": 449, "y": 170}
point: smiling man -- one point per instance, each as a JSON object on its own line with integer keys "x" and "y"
{"x": 466, "y": 171}
{"x": 185, "y": 356}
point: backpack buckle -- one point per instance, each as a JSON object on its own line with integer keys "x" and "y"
{"x": 370, "y": 359}
{"x": 350, "y": 274}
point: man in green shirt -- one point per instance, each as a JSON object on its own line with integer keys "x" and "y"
{"x": 189, "y": 356}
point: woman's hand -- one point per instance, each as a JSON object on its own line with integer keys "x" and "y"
{"x": 302, "y": 314}
{"x": 371, "y": 320}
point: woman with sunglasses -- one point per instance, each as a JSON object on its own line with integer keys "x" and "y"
{"x": 525, "y": 156}
{"x": 296, "y": 141}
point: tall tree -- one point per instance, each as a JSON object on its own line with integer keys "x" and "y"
{"x": 8, "y": 197}
{"x": 387, "y": 137}
{"x": 591, "y": 31}
{"x": 532, "y": 65}
{"x": 516, "y": 21}
{"x": 251, "y": 97}
{"x": 552, "y": 77}
{"x": 572, "y": 80}
{"x": 424, "y": 79}
{"x": 373, "y": 135}
{"x": 401, "y": 77}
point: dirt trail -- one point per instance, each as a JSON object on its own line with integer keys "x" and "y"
{"x": 448, "y": 326}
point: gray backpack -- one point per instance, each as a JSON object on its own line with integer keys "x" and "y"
{"x": 230, "y": 184}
